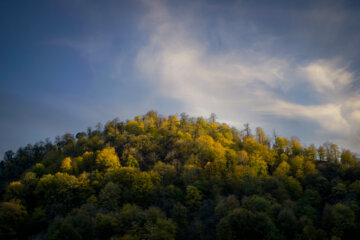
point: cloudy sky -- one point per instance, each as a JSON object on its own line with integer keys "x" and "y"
{"x": 292, "y": 66}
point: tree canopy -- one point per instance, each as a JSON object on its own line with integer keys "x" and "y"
{"x": 178, "y": 177}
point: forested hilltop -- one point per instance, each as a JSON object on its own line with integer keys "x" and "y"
{"x": 178, "y": 177}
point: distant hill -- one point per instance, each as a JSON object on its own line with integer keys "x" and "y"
{"x": 179, "y": 177}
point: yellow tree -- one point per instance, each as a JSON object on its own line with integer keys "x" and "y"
{"x": 283, "y": 169}
{"x": 261, "y": 137}
{"x": 66, "y": 164}
{"x": 258, "y": 164}
{"x": 297, "y": 166}
{"x": 296, "y": 148}
{"x": 347, "y": 158}
{"x": 209, "y": 150}
{"x": 107, "y": 158}
{"x": 311, "y": 153}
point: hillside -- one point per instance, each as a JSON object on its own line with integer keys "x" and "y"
{"x": 179, "y": 177}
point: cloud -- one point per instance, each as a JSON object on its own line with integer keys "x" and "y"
{"x": 244, "y": 84}
{"x": 327, "y": 75}
{"x": 329, "y": 116}
{"x": 185, "y": 69}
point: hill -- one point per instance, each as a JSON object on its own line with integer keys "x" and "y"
{"x": 178, "y": 177}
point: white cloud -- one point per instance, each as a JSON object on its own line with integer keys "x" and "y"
{"x": 244, "y": 85}
{"x": 327, "y": 75}
{"x": 329, "y": 116}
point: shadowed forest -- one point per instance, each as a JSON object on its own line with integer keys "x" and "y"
{"x": 179, "y": 177}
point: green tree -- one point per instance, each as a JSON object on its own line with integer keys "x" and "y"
{"x": 110, "y": 197}
{"x": 287, "y": 223}
{"x": 339, "y": 220}
{"x": 243, "y": 224}
{"x": 132, "y": 162}
{"x": 12, "y": 217}
{"x": 61, "y": 192}
{"x": 193, "y": 197}
{"x": 226, "y": 205}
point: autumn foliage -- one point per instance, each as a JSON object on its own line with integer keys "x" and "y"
{"x": 179, "y": 177}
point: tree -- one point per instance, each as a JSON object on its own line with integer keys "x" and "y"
{"x": 150, "y": 224}
{"x": 12, "y": 216}
{"x": 179, "y": 213}
{"x": 279, "y": 145}
{"x": 212, "y": 118}
{"x": 339, "y": 220}
{"x": 106, "y": 225}
{"x": 261, "y": 137}
{"x": 209, "y": 150}
{"x": 39, "y": 169}
{"x": 283, "y": 169}
{"x": 293, "y": 187}
{"x": 193, "y": 197}
{"x": 296, "y": 148}
{"x": 256, "y": 203}
{"x": 107, "y": 158}
{"x": 110, "y": 197}
{"x": 66, "y": 164}
{"x": 132, "y": 162}
{"x": 332, "y": 152}
{"x": 79, "y": 224}
{"x": 258, "y": 164}
{"x": 14, "y": 191}
{"x": 190, "y": 174}
{"x": 247, "y": 130}
{"x": 287, "y": 223}
{"x": 166, "y": 171}
{"x": 297, "y": 166}
{"x": 243, "y": 224}
{"x": 321, "y": 153}
{"x": 156, "y": 226}
{"x": 111, "y": 131}
{"x": 347, "y": 158}
{"x": 8, "y": 155}
{"x": 192, "y": 178}
{"x": 64, "y": 231}
{"x": 226, "y": 205}
{"x": 61, "y": 192}
{"x": 311, "y": 153}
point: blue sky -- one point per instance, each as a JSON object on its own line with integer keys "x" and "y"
{"x": 292, "y": 66}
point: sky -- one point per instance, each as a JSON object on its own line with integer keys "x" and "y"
{"x": 288, "y": 66}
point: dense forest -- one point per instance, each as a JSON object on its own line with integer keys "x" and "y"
{"x": 178, "y": 177}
